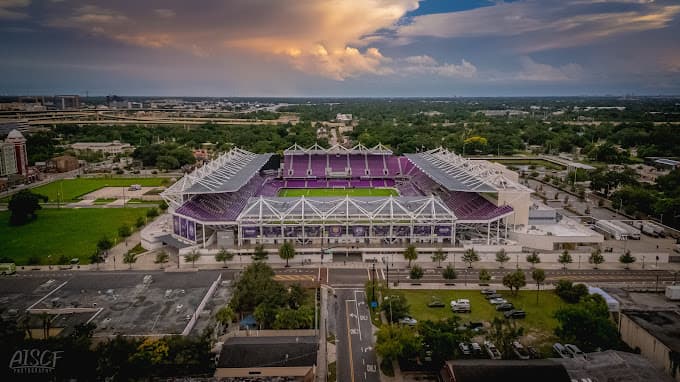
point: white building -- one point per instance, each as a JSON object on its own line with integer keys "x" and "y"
{"x": 110, "y": 148}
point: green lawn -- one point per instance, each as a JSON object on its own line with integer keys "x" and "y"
{"x": 295, "y": 192}
{"x": 72, "y": 189}
{"x": 73, "y": 232}
{"x": 539, "y": 322}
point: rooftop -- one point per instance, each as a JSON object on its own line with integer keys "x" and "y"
{"x": 613, "y": 365}
{"x": 251, "y": 352}
{"x": 662, "y": 324}
{"x": 483, "y": 370}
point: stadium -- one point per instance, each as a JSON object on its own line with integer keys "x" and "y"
{"x": 364, "y": 197}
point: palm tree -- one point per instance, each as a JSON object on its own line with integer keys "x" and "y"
{"x": 129, "y": 258}
{"x": 470, "y": 256}
{"x": 287, "y": 251}
{"x": 410, "y": 254}
{"x": 161, "y": 258}
{"x": 565, "y": 258}
{"x": 224, "y": 256}
{"x": 192, "y": 257}
{"x": 439, "y": 256}
{"x": 596, "y": 257}
{"x": 502, "y": 257}
{"x": 533, "y": 258}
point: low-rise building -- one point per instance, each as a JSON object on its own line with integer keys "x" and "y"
{"x": 290, "y": 357}
{"x": 110, "y": 148}
{"x": 64, "y": 163}
{"x": 654, "y": 333}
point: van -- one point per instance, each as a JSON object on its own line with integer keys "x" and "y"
{"x": 8, "y": 269}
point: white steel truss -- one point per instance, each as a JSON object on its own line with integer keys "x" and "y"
{"x": 378, "y": 149}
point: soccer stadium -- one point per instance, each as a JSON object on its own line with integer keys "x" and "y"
{"x": 323, "y": 197}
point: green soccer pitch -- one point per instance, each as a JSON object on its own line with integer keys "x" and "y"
{"x": 324, "y": 192}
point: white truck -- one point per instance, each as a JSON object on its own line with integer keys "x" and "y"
{"x": 673, "y": 292}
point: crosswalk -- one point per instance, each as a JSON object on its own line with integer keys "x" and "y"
{"x": 307, "y": 278}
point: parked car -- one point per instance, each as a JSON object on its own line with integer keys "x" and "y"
{"x": 492, "y": 295}
{"x": 515, "y": 313}
{"x": 561, "y": 351}
{"x": 519, "y": 350}
{"x": 505, "y": 307}
{"x": 436, "y": 303}
{"x": 498, "y": 301}
{"x": 460, "y": 306}
{"x": 491, "y": 350}
{"x": 574, "y": 350}
{"x": 488, "y": 291}
{"x": 476, "y": 349}
{"x": 408, "y": 321}
{"x": 465, "y": 349}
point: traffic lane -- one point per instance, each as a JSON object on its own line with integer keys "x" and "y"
{"x": 369, "y": 363}
{"x": 344, "y": 368}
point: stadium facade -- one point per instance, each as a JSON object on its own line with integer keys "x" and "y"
{"x": 443, "y": 199}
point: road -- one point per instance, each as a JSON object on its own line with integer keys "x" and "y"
{"x": 356, "y": 358}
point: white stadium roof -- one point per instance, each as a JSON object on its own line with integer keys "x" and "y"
{"x": 378, "y": 149}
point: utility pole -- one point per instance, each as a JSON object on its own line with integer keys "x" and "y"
{"x": 373, "y": 298}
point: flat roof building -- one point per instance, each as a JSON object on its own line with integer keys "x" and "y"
{"x": 656, "y": 335}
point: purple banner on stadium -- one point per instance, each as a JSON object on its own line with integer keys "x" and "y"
{"x": 249, "y": 231}
{"x": 335, "y": 230}
{"x": 360, "y": 230}
{"x": 175, "y": 224}
{"x": 191, "y": 231}
{"x": 442, "y": 230}
{"x": 183, "y": 227}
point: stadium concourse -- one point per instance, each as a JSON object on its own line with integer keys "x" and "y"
{"x": 359, "y": 196}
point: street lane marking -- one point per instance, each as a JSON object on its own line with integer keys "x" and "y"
{"x": 349, "y": 338}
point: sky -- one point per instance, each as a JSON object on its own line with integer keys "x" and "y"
{"x": 343, "y": 48}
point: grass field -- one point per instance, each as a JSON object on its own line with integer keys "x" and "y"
{"x": 322, "y": 192}
{"x": 74, "y": 188}
{"x": 68, "y": 231}
{"x": 539, "y": 323}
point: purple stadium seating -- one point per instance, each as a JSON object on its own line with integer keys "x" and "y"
{"x": 338, "y": 163}
{"x": 318, "y": 165}
{"x": 358, "y": 165}
{"x": 472, "y": 206}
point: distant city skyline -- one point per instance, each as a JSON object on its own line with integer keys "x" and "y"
{"x": 370, "y": 48}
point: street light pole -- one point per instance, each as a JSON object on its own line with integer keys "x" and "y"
{"x": 373, "y": 298}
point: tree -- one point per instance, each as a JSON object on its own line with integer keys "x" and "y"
{"x": 225, "y": 315}
{"x": 438, "y": 256}
{"x": 410, "y": 254}
{"x": 565, "y": 258}
{"x": 260, "y": 253}
{"x": 23, "y": 205}
{"x": 394, "y": 342}
{"x": 484, "y": 276}
{"x": 442, "y": 337}
{"x": 627, "y": 259}
{"x": 288, "y": 318}
{"x": 470, "y": 256}
{"x": 224, "y": 256}
{"x": 596, "y": 258}
{"x": 161, "y": 258}
{"x": 514, "y": 281}
{"x": 502, "y": 257}
{"x": 139, "y": 223}
{"x": 587, "y": 325}
{"x": 104, "y": 245}
{"x": 449, "y": 273}
{"x": 533, "y": 259}
{"x": 416, "y": 272}
{"x": 503, "y": 333}
{"x": 255, "y": 286}
{"x": 124, "y": 231}
{"x": 287, "y": 251}
{"x": 96, "y": 258}
{"x": 192, "y": 257}
{"x": 538, "y": 275}
{"x": 395, "y": 307}
{"x": 152, "y": 212}
{"x": 569, "y": 292}
{"x": 129, "y": 259}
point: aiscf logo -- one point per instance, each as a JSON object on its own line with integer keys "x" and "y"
{"x": 34, "y": 361}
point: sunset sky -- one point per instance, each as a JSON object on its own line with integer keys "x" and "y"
{"x": 340, "y": 48}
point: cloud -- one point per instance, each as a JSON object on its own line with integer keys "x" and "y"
{"x": 8, "y": 9}
{"x": 535, "y": 71}
{"x": 548, "y": 24}
{"x": 164, "y": 13}
{"x": 425, "y": 64}
{"x": 328, "y": 38}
